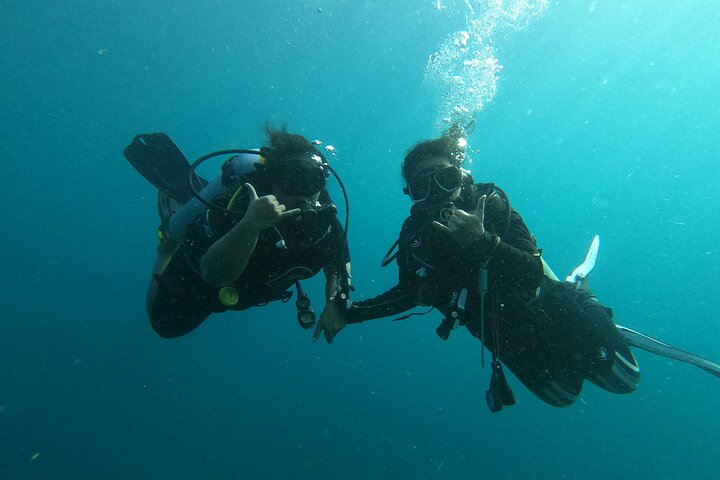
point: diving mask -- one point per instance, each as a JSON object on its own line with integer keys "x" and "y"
{"x": 302, "y": 176}
{"x": 438, "y": 184}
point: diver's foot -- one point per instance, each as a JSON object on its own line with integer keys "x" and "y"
{"x": 616, "y": 371}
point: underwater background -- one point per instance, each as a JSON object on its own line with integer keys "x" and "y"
{"x": 597, "y": 117}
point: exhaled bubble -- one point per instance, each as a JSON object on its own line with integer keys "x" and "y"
{"x": 465, "y": 68}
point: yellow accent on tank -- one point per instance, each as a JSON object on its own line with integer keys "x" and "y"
{"x": 228, "y": 296}
{"x": 237, "y": 194}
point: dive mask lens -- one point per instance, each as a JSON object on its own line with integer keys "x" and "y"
{"x": 419, "y": 189}
{"x": 448, "y": 179}
{"x": 303, "y": 184}
{"x": 303, "y": 176}
{"x": 309, "y": 182}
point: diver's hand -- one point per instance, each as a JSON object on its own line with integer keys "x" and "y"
{"x": 464, "y": 227}
{"x": 264, "y": 211}
{"x": 331, "y": 322}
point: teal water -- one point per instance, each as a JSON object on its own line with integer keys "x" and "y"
{"x": 604, "y": 121}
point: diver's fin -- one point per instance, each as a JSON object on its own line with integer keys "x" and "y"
{"x": 580, "y": 274}
{"x": 156, "y": 157}
{"x": 167, "y": 206}
{"x": 652, "y": 345}
{"x": 548, "y": 271}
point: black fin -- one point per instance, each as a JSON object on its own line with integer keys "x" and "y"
{"x": 156, "y": 157}
{"x": 652, "y": 345}
{"x": 167, "y": 206}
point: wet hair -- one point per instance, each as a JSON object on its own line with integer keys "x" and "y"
{"x": 292, "y": 163}
{"x": 447, "y": 147}
{"x": 284, "y": 146}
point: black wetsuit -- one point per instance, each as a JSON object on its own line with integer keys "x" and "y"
{"x": 184, "y": 301}
{"x": 548, "y": 337}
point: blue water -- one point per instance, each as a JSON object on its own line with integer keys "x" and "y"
{"x": 604, "y": 122}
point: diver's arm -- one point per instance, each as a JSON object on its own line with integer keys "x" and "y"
{"x": 518, "y": 258}
{"x": 515, "y": 257}
{"x": 521, "y": 268}
{"x": 399, "y": 298}
{"x": 392, "y": 302}
{"x": 331, "y": 281}
{"x": 226, "y": 259}
{"x": 332, "y": 319}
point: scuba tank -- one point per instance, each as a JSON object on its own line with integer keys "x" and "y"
{"x": 233, "y": 170}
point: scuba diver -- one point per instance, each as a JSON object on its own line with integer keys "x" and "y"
{"x": 468, "y": 254}
{"x": 245, "y": 238}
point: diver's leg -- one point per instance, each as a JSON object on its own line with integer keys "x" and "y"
{"x": 165, "y": 252}
{"x": 531, "y": 352}
{"x": 607, "y": 359}
{"x": 547, "y": 378}
{"x": 177, "y": 301}
{"x": 585, "y": 329}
